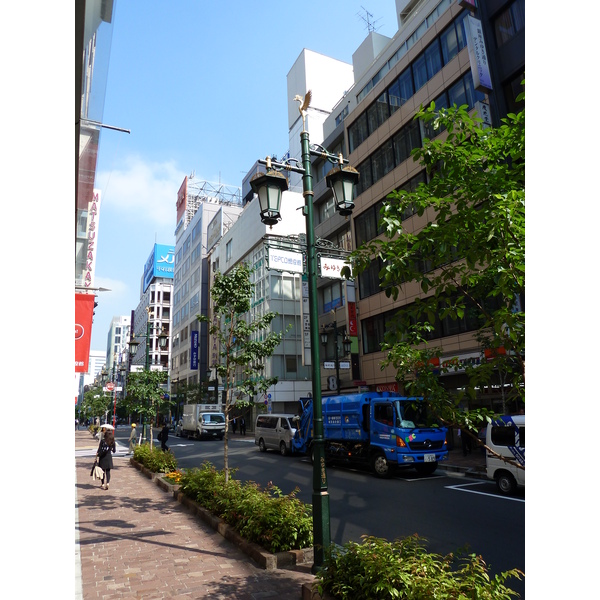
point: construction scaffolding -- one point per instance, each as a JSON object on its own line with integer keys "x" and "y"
{"x": 200, "y": 192}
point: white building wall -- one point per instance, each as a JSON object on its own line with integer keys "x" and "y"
{"x": 244, "y": 243}
{"x": 118, "y": 336}
{"x": 328, "y": 79}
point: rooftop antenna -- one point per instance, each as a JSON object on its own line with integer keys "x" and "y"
{"x": 368, "y": 19}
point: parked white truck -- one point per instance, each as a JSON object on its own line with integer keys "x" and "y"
{"x": 203, "y": 421}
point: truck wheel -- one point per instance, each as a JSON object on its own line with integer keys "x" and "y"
{"x": 380, "y": 465}
{"x": 506, "y": 483}
{"x": 426, "y": 468}
{"x": 261, "y": 445}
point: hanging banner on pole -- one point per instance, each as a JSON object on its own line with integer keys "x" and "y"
{"x": 84, "y": 312}
{"x": 305, "y": 308}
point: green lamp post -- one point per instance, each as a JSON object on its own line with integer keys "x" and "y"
{"x": 269, "y": 188}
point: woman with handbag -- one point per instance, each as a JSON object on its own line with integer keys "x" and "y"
{"x": 106, "y": 447}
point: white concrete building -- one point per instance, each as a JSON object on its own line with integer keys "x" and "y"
{"x": 116, "y": 342}
{"x": 248, "y": 240}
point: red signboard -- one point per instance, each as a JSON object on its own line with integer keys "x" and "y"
{"x": 352, "y": 320}
{"x": 84, "y": 311}
{"x": 387, "y": 387}
{"x": 182, "y": 199}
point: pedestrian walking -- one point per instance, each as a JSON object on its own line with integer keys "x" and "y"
{"x": 164, "y": 436}
{"x": 76, "y": 424}
{"x": 234, "y": 425}
{"x": 132, "y": 439}
{"x": 242, "y": 426}
{"x": 466, "y": 442}
{"x": 106, "y": 449}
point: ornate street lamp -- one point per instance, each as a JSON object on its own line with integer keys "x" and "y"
{"x": 342, "y": 180}
{"x": 269, "y": 187}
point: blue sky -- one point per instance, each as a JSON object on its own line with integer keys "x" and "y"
{"x": 201, "y": 85}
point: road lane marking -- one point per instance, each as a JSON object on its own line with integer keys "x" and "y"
{"x": 460, "y": 487}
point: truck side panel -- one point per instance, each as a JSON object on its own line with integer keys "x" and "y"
{"x": 342, "y": 418}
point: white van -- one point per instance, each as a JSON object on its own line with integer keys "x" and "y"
{"x": 275, "y": 432}
{"x": 506, "y": 436}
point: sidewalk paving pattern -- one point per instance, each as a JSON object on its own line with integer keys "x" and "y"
{"x": 136, "y": 541}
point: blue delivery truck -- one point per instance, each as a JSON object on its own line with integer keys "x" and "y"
{"x": 381, "y": 430}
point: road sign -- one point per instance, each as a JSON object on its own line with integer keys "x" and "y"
{"x": 110, "y": 386}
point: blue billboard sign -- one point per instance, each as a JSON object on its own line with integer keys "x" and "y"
{"x": 194, "y": 350}
{"x": 160, "y": 263}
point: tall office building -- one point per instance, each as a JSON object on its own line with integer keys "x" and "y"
{"x": 152, "y": 317}
{"x": 116, "y": 342}
{"x": 199, "y": 203}
{"x": 277, "y": 287}
{"x": 93, "y": 38}
{"x": 438, "y": 54}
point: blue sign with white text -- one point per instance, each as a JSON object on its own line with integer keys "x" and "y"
{"x": 194, "y": 350}
{"x": 160, "y": 263}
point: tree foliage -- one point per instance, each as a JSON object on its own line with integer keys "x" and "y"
{"x": 244, "y": 342}
{"x": 468, "y": 258}
{"x": 95, "y": 402}
{"x": 146, "y": 394}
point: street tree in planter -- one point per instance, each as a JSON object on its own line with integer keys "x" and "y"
{"x": 468, "y": 259}
{"x": 146, "y": 394}
{"x": 245, "y": 341}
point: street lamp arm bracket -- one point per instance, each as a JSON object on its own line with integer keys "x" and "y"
{"x": 320, "y": 151}
{"x": 289, "y": 164}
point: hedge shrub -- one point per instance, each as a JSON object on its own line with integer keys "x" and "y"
{"x": 267, "y": 517}
{"x": 155, "y": 459}
{"x": 403, "y": 569}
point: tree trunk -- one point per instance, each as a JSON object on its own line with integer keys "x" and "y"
{"x": 226, "y": 437}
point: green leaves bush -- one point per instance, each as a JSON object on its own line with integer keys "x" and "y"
{"x": 155, "y": 459}
{"x": 275, "y": 521}
{"x": 403, "y": 569}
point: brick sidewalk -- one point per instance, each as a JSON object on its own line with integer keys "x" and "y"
{"x": 136, "y": 541}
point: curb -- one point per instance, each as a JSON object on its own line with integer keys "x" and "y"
{"x": 264, "y": 559}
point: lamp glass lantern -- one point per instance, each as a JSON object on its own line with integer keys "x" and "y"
{"x": 269, "y": 187}
{"x": 347, "y": 342}
{"x": 163, "y": 338}
{"x": 324, "y": 337}
{"x": 342, "y": 180}
{"x": 133, "y": 346}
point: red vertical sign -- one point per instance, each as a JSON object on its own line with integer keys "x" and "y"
{"x": 84, "y": 311}
{"x": 352, "y": 320}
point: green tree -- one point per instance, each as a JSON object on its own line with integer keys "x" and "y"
{"x": 95, "y": 402}
{"x": 146, "y": 394}
{"x": 244, "y": 342}
{"x": 468, "y": 257}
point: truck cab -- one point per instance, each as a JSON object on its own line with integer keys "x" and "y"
{"x": 506, "y": 437}
{"x": 381, "y": 430}
{"x": 203, "y": 421}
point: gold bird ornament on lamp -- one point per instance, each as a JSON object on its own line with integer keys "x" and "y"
{"x": 303, "y": 106}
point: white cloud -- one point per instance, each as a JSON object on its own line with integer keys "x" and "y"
{"x": 116, "y": 287}
{"x": 145, "y": 189}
